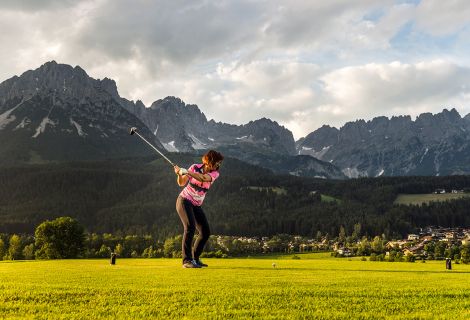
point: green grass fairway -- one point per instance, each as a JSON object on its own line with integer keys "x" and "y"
{"x": 426, "y": 198}
{"x": 314, "y": 287}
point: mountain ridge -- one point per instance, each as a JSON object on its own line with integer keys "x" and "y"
{"x": 432, "y": 144}
{"x": 59, "y": 106}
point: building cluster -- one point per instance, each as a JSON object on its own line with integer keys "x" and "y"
{"x": 438, "y": 191}
{"x": 415, "y": 243}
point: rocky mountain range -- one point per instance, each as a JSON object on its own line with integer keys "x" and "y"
{"x": 58, "y": 113}
{"x": 430, "y": 145}
{"x": 184, "y": 128}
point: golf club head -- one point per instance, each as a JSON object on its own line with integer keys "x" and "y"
{"x": 133, "y": 130}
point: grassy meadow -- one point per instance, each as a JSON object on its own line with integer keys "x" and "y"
{"x": 315, "y": 286}
{"x": 326, "y": 198}
{"x": 418, "y": 199}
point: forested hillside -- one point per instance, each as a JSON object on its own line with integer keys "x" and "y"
{"x": 137, "y": 196}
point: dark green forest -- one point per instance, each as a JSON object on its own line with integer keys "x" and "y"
{"x": 137, "y": 196}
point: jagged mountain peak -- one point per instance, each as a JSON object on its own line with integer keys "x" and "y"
{"x": 318, "y": 142}
{"x": 401, "y": 118}
{"x": 168, "y": 102}
{"x": 450, "y": 115}
{"x": 60, "y": 79}
{"x": 433, "y": 144}
{"x": 55, "y": 70}
{"x": 172, "y": 104}
{"x": 323, "y": 132}
{"x": 57, "y": 112}
{"x": 268, "y": 124}
{"x": 265, "y": 123}
{"x": 327, "y": 127}
{"x": 264, "y": 120}
{"x": 379, "y": 119}
{"x": 445, "y": 114}
{"x": 139, "y": 103}
{"x": 109, "y": 85}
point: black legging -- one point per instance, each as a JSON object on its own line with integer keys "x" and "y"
{"x": 193, "y": 218}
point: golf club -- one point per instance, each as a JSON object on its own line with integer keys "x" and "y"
{"x": 134, "y": 130}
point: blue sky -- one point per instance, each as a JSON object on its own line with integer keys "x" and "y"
{"x": 301, "y": 63}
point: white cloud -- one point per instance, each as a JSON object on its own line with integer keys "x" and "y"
{"x": 35, "y": 36}
{"x": 441, "y": 18}
{"x": 273, "y": 88}
{"x": 378, "y": 35}
{"x": 35, "y": 5}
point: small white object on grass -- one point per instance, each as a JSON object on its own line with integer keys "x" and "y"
{"x": 274, "y": 265}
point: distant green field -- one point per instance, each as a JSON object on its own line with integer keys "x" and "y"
{"x": 326, "y": 198}
{"x": 277, "y": 190}
{"x": 426, "y": 198}
{"x": 314, "y": 287}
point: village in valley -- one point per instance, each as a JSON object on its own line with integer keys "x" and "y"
{"x": 429, "y": 243}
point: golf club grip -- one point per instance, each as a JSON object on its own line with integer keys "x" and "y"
{"x": 155, "y": 148}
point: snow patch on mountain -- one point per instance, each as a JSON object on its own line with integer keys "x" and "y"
{"x": 352, "y": 172}
{"x": 5, "y": 117}
{"x": 380, "y": 173}
{"x": 170, "y": 146}
{"x": 42, "y": 126}
{"x": 80, "y": 131}
{"x": 312, "y": 152}
{"x": 23, "y": 124}
{"x": 321, "y": 153}
{"x": 197, "y": 144}
{"x": 425, "y": 153}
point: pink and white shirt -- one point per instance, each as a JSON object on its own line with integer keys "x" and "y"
{"x": 195, "y": 191}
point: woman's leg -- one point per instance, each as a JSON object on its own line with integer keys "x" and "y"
{"x": 203, "y": 229}
{"x": 185, "y": 211}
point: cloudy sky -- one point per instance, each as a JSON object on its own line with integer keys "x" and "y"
{"x": 300, "y": 63}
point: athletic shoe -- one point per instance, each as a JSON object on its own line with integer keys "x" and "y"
{"x": 190, "y": 264}
{"x": 200, "y": 263}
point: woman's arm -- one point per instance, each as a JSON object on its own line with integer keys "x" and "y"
{"x": 182, "y": 180}
{"x": 199, "y": 176}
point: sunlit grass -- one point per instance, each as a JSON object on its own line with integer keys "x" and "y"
{"x": 418, "y": 199}
{"x": 316, "y": 286}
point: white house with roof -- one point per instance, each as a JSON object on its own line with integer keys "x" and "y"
{"x": 413, "y": 237}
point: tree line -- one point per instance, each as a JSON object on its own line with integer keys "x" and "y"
{"x": 64, "y": 238}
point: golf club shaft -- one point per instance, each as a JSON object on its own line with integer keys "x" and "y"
{"x": 154, "y": 148}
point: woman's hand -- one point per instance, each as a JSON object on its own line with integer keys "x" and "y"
{"x": 182, "y": 178}
{"x": 180, "y": 171}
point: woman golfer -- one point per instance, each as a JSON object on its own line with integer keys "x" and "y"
{"x": 188, "y": 205}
